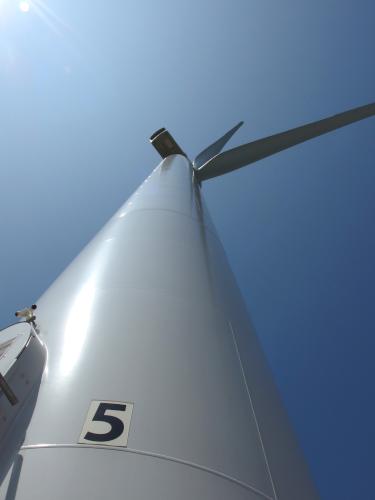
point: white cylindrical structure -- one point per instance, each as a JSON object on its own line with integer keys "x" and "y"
{"x": 149, "y": 314}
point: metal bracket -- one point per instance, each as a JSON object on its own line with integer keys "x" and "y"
{"x": 5, "y": 387}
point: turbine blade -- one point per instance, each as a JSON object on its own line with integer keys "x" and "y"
{"x": 215, "y": 148}
{"x": 254, "y": 151}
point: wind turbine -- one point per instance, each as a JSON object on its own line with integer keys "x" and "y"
{"x": 138, "y": 375}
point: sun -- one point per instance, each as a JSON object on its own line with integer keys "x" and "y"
{"x": 24, "y": 6}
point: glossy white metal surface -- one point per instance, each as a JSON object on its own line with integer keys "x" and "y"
{"x": 22, "y": 360}
{"x": 149, "y": 312}
{"x": 12, "y": 341}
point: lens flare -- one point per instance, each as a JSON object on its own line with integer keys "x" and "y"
{"x": 24, "y": 6}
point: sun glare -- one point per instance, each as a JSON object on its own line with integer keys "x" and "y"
{"x": 24, "y": 6}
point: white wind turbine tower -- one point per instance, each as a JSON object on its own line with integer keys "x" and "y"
{"x": 140, "y": 376}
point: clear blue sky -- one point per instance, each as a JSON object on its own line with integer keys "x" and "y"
{"x": 82, "y": 86}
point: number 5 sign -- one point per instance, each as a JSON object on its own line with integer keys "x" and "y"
{"x": 107, "y": 423}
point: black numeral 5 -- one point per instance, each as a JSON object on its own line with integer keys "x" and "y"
{"x": 117, "y": 426}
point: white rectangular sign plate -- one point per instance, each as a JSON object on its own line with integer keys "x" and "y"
{"x": 107, "y": 423}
